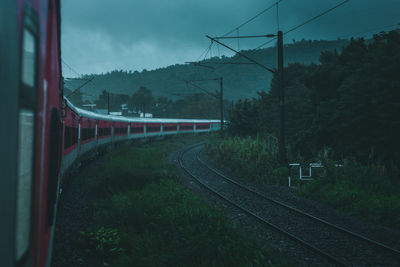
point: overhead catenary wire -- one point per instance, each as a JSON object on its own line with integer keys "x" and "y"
{"x": 246, "y": 36}
{"x": 206, "y": 51}
{"x": 306, "y": 22}
{"x": 316, "y": 17}
{"x": 244, "y": 23}
{"x": 202, "y": 89}
{"x": 277, "y": 16}
{"x": 71, "y": 69}
{"x": 370, "y": 30}
{"x": 76, "y": 89}
{"x": 252, "y": 18}
{"x": 241, "y": 54}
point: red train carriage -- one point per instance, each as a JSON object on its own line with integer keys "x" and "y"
{"x": 30, "y": 75}
{"x": 153, "y": 127}
{"x": 202, "y": 126}
{"x": 120, "y": 128}
{"x": 137, "y": 128}
{"x": 87, "y": 130}
{"x": 170, "y": 127}
{"x": 186, "y": 126}
{"x": 71, "y": 128}
{"x": 103, "y": 129}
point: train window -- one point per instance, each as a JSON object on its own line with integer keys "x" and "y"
{"x": 170, "y": 128}
{"x": 26, "y": 130}
{"x": 153, "y": 129}
{"x": 24, "y": 182}
{"x": 53, "y": 166}
{"x": 137, "y": 129}
{"x": 74, "y": 135}
{"x": 28, "y": 58}
{"x": 186, "y": 127}
{"x": 67, "y": 137}
{"x": 204, "y": 126}
{"x": 84, "y": 134}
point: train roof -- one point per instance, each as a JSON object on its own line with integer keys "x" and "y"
{"x": 96, "y": 116}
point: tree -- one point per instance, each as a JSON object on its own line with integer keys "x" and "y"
{"x": 102, "y": 101}
{"x": 76, "y": 98}
{"x": 142, "y": 100}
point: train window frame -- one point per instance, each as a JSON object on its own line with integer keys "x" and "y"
{"x": 27, "y": 107}
{"x": 67, "y": 137}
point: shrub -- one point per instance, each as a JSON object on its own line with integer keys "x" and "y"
{"x": 104, "y": 242}
{"x": 254, "y": 159}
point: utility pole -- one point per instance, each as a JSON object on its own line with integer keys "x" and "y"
{"x": 279, "y": 73}
{"x": 108, "y": 103}
{"x": 282, "y": 149}
{"x": 221, "y": 97}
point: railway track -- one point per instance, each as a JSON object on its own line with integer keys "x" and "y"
{"x": 334, "y": 243}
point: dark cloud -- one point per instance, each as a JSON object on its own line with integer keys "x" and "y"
{"x": 102, "y": 35}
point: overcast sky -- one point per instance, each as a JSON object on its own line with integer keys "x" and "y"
{"x": 103, "y": 35}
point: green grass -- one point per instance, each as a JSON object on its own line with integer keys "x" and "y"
{"x": 253, "y": 159}
{"x": 359, "y": 190}
{"x": 144, "y": 216}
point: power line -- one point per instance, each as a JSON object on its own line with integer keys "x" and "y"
{"x": 208, "y": 51}
{"x": 316, "y": 17}
{"x": 245, "y": 36}
{"x": 230, "y": 63}
{"x": 263, "y": 44}
{"x": 254, "y": 17}
{"x": 370, "y": 30}
{"x": 306, "y": 22}
{"x": 205, "y": 53}
{"x": 204, "y": 80}
{"x": 241, "y": 54}
{"x": 204, "y": 90}
{"x": 277, "y": 15}
{"x": 76, "y": 90}
{"x": 195, "y": 63}
{"x": 342, "y": 36}
{"x": 74, "y": 71}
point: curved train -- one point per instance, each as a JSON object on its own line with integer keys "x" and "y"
{"x": 42, "y": 134}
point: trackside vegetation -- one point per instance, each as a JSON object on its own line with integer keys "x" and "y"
{"x": 143, "y": 215}
{"x": 254, "y": 159}
{"x": 361, "y": 190}
{"x": 344, "y": 110}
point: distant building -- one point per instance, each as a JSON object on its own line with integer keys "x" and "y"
{"x": 101, "y": 111}
{"x": 89, "y": 106}
{"x": 124, "y": 107}
{"x": 116, "y": 113}
{"x": 146, "y": 115}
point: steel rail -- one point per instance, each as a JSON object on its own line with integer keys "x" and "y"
{"x": 304, "y": 243}
{"x": 353, "y": 234}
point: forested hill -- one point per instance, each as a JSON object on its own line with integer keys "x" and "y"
{"x": 240, "y": 81}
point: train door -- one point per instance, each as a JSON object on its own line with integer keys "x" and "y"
{"x": 18, "y": 100}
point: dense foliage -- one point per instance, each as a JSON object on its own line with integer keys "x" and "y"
{"x": 252, "y": 159}
{"x": 350, "y": 102}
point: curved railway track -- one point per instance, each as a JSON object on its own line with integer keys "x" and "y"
{"x": 332, "y": 242}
